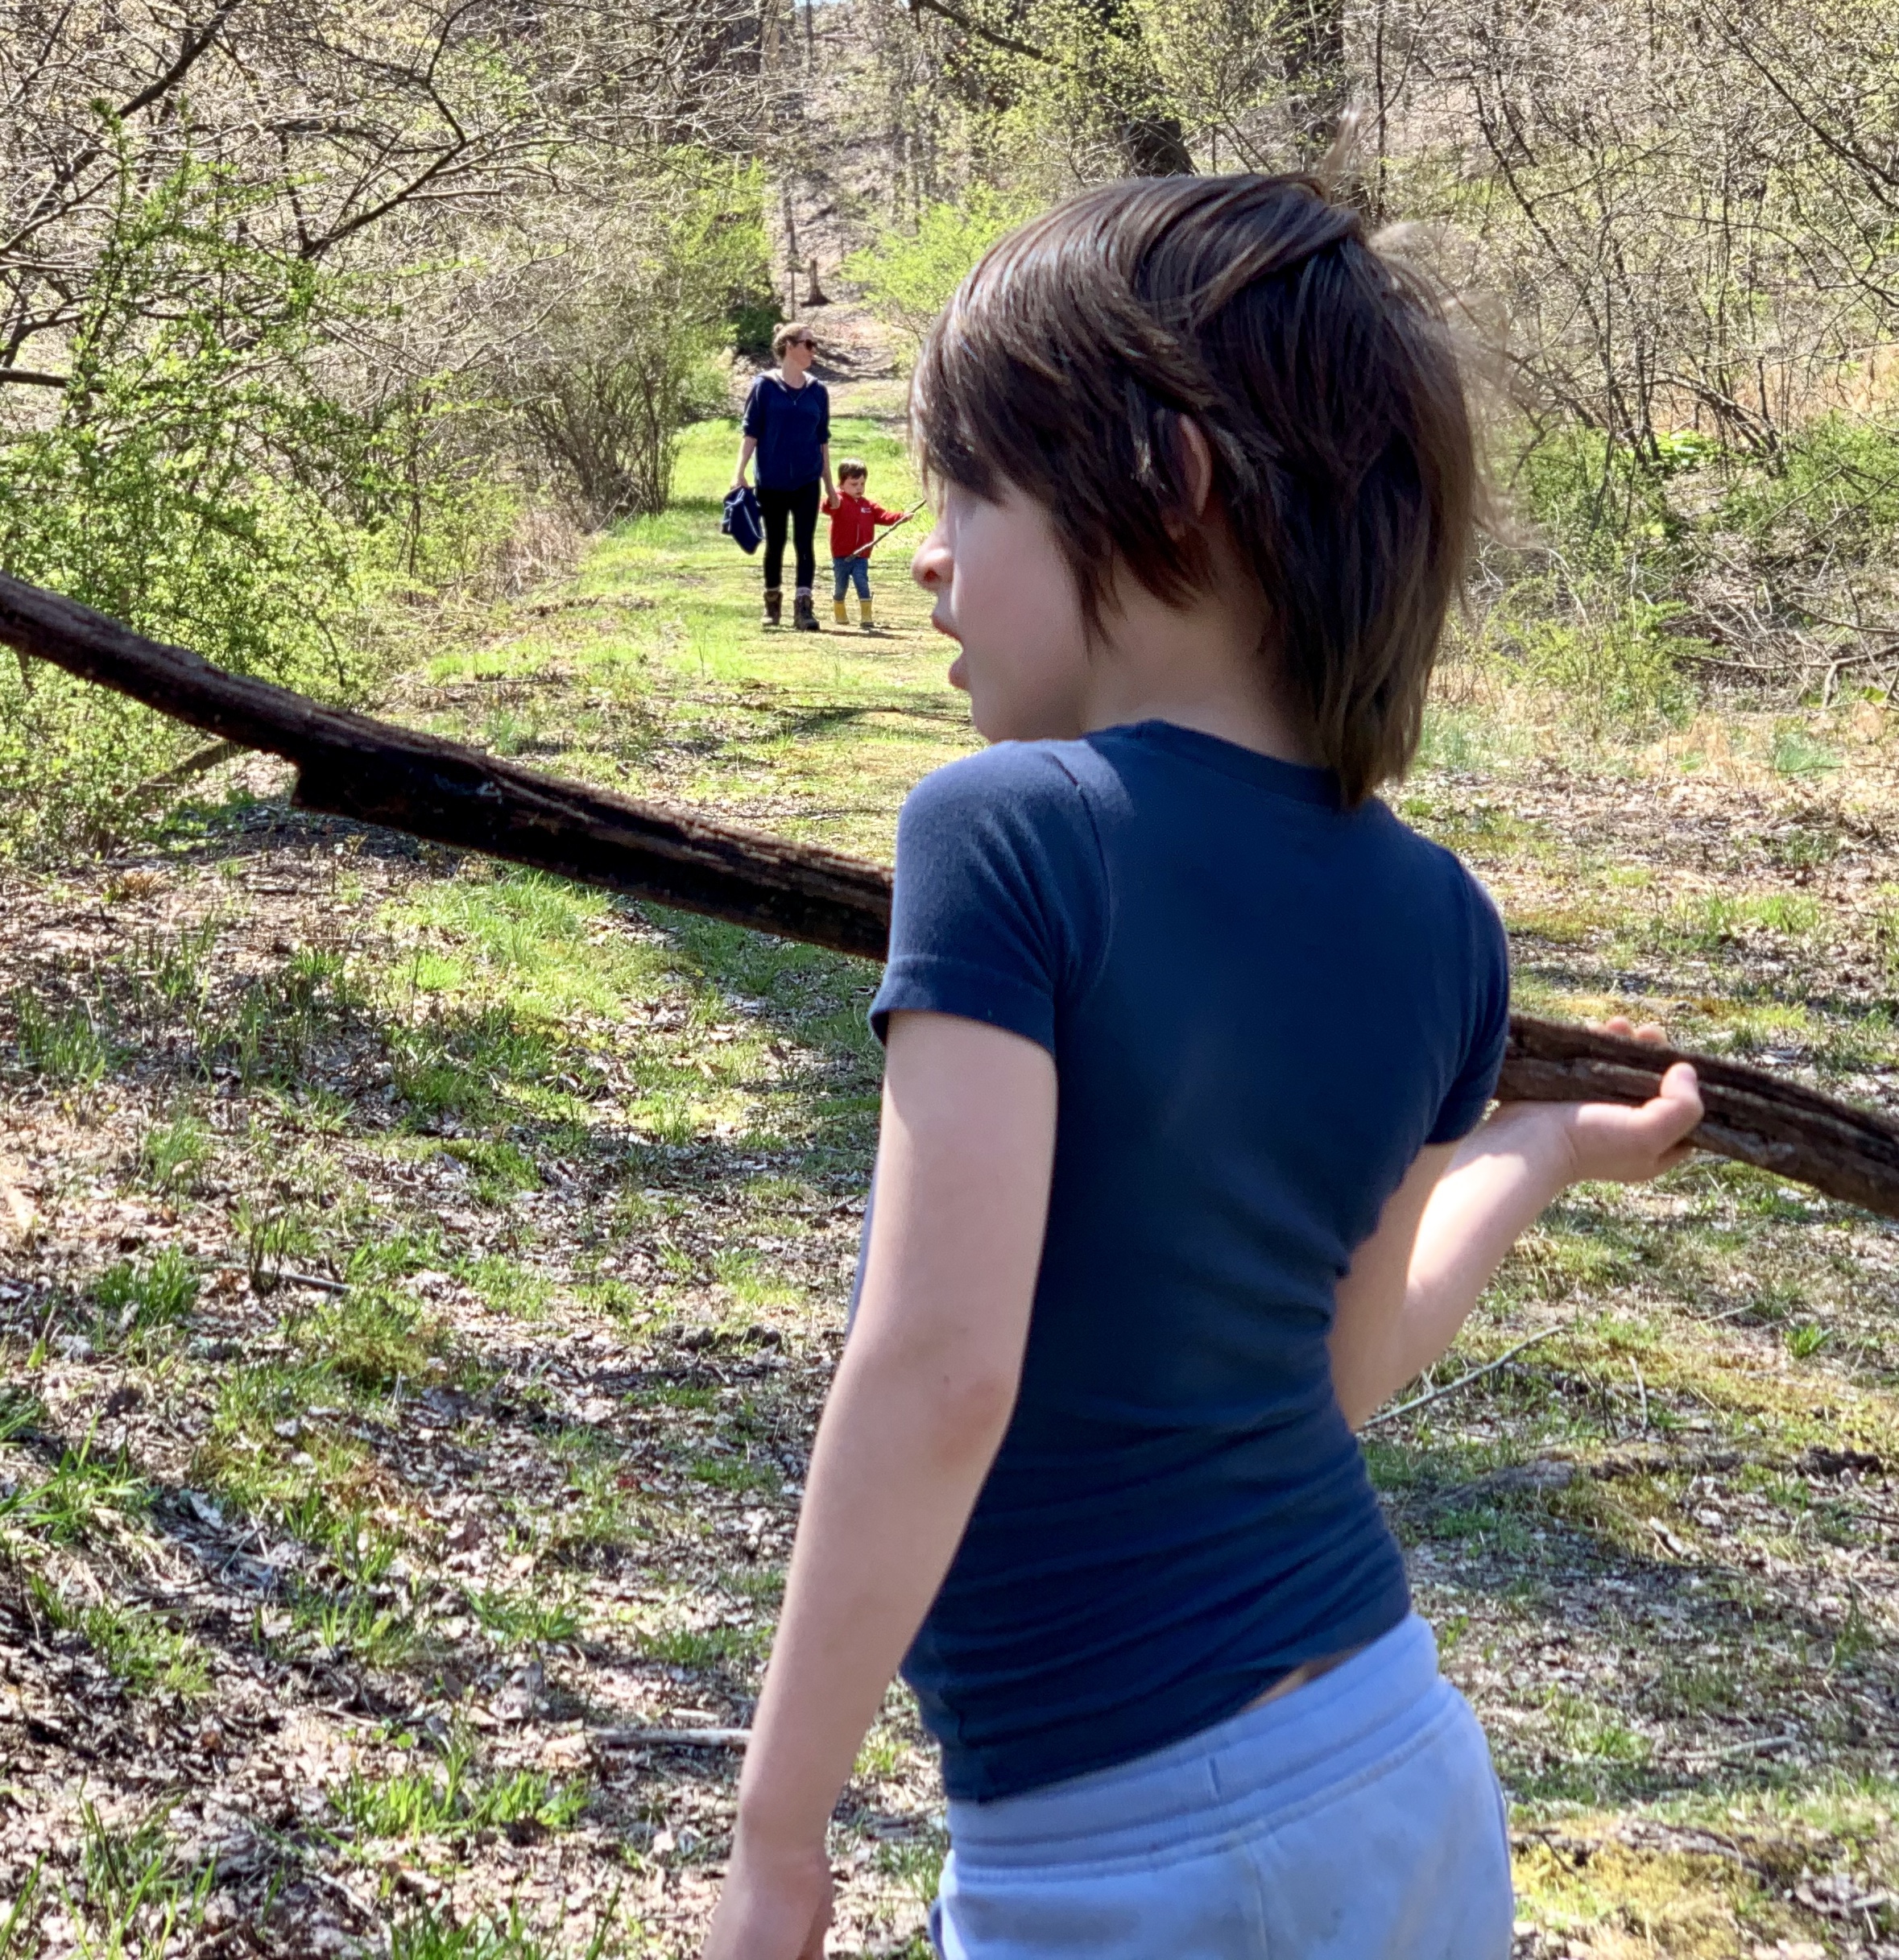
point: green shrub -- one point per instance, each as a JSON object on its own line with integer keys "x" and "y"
{"x": 198, "y": 479}
{"x": 909, "y": 274}
{"x": 1598, "y": 503}
{"x": 1833, "y": 487}
{"x": 1621, "y": 669}
{"x": 620, "y": 352}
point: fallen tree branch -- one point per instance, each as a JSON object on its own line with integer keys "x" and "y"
{"x": 351, "y": 766}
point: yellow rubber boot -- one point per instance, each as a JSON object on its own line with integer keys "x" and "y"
{"x": 841, "y": 612}
{"x": 864, "y": 613}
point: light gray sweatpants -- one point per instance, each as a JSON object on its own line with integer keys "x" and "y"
{"x": 1357, "y": 1818}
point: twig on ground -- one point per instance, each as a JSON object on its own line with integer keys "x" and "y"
{"x": 315, "y": 1280}
{"x": 1463, "y": 1381}
{"x": 670, "y": 1738}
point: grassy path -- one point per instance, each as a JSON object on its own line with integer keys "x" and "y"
{"x": 417, "y": 1283}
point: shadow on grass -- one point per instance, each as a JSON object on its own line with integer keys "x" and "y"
{"x": 1732, "y": 1680}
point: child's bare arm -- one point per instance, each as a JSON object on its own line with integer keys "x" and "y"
{"x": 1461, "y": 1208}
{"x": 922, "y": 1398}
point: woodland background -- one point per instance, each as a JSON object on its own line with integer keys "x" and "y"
{"x": 312, "y": 316}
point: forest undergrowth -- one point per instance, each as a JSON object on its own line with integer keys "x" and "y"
{"x": 418, "y": 1281}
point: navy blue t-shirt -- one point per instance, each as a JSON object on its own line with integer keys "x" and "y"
{"x": 1261, "y": 1005}
{"x": 791, "y": 426}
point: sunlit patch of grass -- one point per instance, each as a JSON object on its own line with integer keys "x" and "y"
{"x": 373, "y": 1336}
{"x": 704, "y": 1647}
{"x": 738, "y": 1474}
{"x": 173, "y": 1154}
{"x": 316, "y": 1482}
{"x": 913, "y": 1864}
{"x": 509, "y": 1287}
{"x": 136, "y": 1645}
{"x": 451, "y": 1799}
{"x": 524, "y": 1619}
{"x": 393, "y": 1255}
{"x": 69, "y": 1045}
{"x": 1796, "y": 751}
{"x": 354, "y": 1622}
{"x": 135, "y": 1299}
{"x": 1707, "y": 921}
{"x": 597, "y": 1516}
{"x": 432, "y": 1933}
{"x": 137, "y": 1890}
{"x": 501, "y": 1168}
{"x": 677, "y": 1395}
{"x": 87, "y": 1494}
{"x": 751, "y": 1284}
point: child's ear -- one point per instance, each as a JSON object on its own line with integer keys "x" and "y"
{"x": 1194, "y": 462}
{"x": 1197, "y": 469}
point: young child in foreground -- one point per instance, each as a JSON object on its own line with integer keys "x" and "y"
{"x": 854, "y": 520}
{"x": 1183, "y": 1167}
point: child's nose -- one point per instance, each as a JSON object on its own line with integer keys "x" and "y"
{"x": 931, "y": 565}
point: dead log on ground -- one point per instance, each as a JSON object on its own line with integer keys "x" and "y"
{"x": 351, "y": 766}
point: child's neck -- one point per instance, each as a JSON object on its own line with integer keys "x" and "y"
{"x": 1202, "y": 666}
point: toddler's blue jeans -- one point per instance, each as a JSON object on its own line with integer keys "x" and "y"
{"x": 1355, "y": 1818}
{"x": 846, "y": 572}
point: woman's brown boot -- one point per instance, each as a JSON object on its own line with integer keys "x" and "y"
{"x": 804, "y": 619}
{"x": 774, "y": 601}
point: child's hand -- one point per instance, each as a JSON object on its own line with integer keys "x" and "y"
{"x": 1613, "y": 1142}
{"x": 832, "y": 501}
{"x": 772, "y": 1906}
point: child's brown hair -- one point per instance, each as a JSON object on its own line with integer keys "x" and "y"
{"x": 1324, "y": 379}
{"x": 852, "y": 467}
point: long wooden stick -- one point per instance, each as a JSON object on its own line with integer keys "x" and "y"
{"x": 351, "y": 766}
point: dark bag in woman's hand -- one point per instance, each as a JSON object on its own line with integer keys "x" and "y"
{"x": 741, "y": 520}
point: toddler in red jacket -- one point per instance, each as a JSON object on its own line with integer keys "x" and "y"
{"x": 854, "y": 520}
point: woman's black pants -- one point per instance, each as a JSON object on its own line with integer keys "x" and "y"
{"x": 800, "y": 506}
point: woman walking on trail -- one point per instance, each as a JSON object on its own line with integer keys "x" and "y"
{"x": 787, "y": 428}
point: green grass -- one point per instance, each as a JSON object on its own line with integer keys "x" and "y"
{"x": 173, "y": 1154}
{"x": 450, "y": 1798}
{"x": 687, "y": 696}
{"x": 135, "y": 1300}
{"x": 136, "y": 1891}
{"x": 68, "y": 1046}
{"x": 521, "y": 1618}
{"x": 88, "y": 1496}
{"x": 702, "y": 1648}
{"x": 21, "y": 1412}
{"x": 434, "y": 1933}
{"x": 141, "y": 1650}
{"x": 603, "y": 1112}
{"x": 373, "y": 1337}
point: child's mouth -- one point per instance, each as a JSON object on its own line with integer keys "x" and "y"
{"x": 948, "y": 632}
